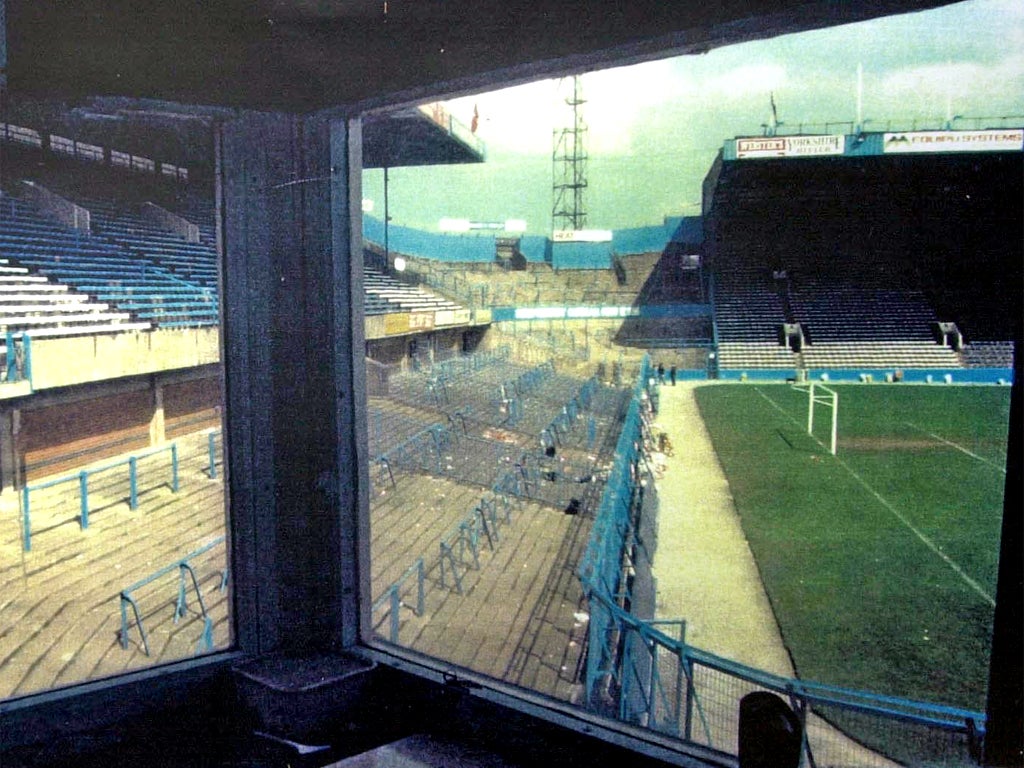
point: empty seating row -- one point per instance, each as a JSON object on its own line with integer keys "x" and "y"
{"x": 124, "y": 226}
{"x": 110, "y": 274}
{"x": 880, "y": 354}
{"x": 763, "y": 355}
{"x": 748, "y": 307}
{"x": 841, "y": 312}
{"x": 30, "y": 303}
{"x": 384, "y": 294}
{"x": 988, "y": 354}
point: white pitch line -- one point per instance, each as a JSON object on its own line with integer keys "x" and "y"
{"x": 899, "y": 516}
{"x": 959, "y": 447}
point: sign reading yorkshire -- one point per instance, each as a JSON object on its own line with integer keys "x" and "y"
{"x": 789, "y": 146}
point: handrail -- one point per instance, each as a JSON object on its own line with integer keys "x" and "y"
{"x": 82, "y": 477}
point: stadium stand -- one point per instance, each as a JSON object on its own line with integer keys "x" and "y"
{"x": 33, "y": 303}
{"x": 294, "y": 431}
{"x": 488, "y": 285}
{"x": 385, "y": 294}
{"x": 97, "y": 267}
{"x": 988, "y": 354}
{"x": 195, "y": 262}
{"x": 461, "y": 487}
{"x": 748, "y": 315}
{"x": 837, "y": 263}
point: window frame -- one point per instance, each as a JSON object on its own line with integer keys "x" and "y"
{"x": 100, "y": 703}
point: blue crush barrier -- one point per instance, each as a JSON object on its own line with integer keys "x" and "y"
{"x": 466, "y": 538}
{"x": 183, "y": 567}
{"x": 459, "y": 551}
{"x": 486, "y": 518}
{"x": 563, "y": 423}
{"x": 509, "y": 393}
{"x": 82, "y": 478}
{"x": 392, "y": 598}
{"x": 212, "y": 438}
{"x": 422, "y": 451}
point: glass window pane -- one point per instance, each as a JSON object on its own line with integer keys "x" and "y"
{"x": 559, "y": 498}
{"x": 113, "y": 553}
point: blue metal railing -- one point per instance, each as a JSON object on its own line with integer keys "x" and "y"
{"x": 82, "y": 478}
{"x": 183, "y": 567}
{"x": 691, "y": 702}
{"x": 392, "y": 597}
{"x": 423, "y": 451}
{"x": 453, "y": 549}
{"x": 211, "y": 450}
{"x": 555, "y": 432}
{"x": 510, "y": 393}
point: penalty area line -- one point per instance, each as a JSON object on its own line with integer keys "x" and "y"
{"x": 957, "y": 446}
{"x": 974, "y": 585}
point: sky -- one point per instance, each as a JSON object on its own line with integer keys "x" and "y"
{"x": 654, "y": 129}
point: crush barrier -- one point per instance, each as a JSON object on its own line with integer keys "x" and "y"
{"x": 555, "y": 433}
{"x": 509, "y": 397}
{"x": 447, "y": 371}
{"x": 82, "y": 478}
{"x": 459, "y": 552}
{"x": 214, "y": 439}
{"x": 638, "y": 673}
{"x": 463, "y": 543}
{"x": 184, "y": 568}
{"x": 423, "y": 451}
{"x": 392, "y": 597}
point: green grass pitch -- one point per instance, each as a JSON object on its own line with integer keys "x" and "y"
{"x": 881, "y": 562}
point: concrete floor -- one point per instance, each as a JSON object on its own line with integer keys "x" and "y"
{"x": 706, "y": 573}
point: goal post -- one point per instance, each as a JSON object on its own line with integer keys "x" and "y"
{"x": 820, "y": 395}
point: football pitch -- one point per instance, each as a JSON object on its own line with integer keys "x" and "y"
{"x": 880, "y": 562}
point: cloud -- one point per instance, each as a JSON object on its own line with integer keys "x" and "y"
{"x": 744, "y": 81}
{"x": 516, "y": 120}
{"x": 970, "y": 87}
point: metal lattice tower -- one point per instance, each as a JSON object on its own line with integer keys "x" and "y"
{"x": 569, "y": 166}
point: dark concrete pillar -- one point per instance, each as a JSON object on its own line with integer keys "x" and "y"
{"x": 290, "y": 213}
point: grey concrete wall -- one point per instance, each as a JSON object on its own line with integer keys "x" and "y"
{"x": 80, "y": 360}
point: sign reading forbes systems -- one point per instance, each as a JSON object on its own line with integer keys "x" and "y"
{"x": 1010, "y": 140}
